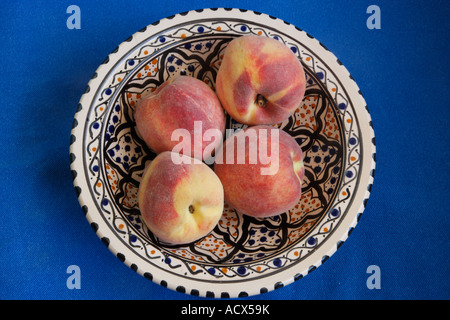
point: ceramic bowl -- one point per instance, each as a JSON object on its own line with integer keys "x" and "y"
{"x": 242, "y": 256}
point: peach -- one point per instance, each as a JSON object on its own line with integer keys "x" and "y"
{"x": 180, "y": 203}
{"x": 246, "y": 188}
{"x": 177, "y": 104}
{"x": 260, "y": 80}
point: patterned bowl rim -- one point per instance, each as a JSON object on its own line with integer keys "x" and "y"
{"x": 354, "y": 207}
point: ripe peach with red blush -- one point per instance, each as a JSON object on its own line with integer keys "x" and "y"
{"x": 177, "y": 104}
{"x": 182, "y": 201}
{"x": 260, "y": 80}
{"x": 262, "y": 185}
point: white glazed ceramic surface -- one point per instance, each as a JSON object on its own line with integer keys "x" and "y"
{"x": 242, "y": 256}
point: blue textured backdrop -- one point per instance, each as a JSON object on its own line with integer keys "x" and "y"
{"x": 402, "y": 70}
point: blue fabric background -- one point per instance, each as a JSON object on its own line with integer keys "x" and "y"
{"x": 402, "y": 70}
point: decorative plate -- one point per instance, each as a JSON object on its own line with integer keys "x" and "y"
{"x": 242, "y": 256}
